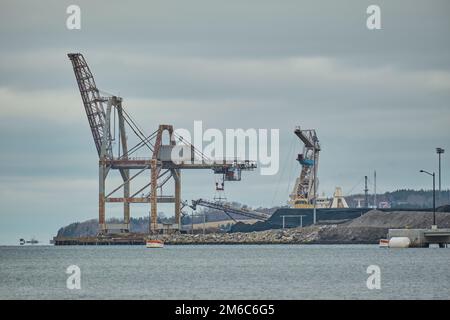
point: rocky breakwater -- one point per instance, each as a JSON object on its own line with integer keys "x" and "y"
{"x": 287, "y": 236}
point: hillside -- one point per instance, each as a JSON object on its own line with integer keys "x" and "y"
{"x": 400, "y": 219}
{"x": 404, "y": 198}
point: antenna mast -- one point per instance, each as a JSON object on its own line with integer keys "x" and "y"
{"x": 375, "y": 189}
{"x": 366, "y": 193}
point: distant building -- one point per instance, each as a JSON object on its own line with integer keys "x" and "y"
{"x": 338, "y": 199}
{"x": 384, "y": 205}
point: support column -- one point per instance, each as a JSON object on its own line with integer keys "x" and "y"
{"x": 315, "y": 187}
{"x": 126, "y": 194}
{"x": 176, "y": 173}
{"x": 153, "y": 223}
{"x": 103, "y": 171}
{"x": 101, "y": 197}
{"x": 126, "y": 172}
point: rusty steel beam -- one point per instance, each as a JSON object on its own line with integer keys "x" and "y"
{"x": 142, "y": 163}
{"x": 153, "y": 197}
{"x": 155, "y": 171}
{"x": 176, "y": 173}
{"x": 160, "y": 199}
{"x": 127, "y": 181}
{"x": 101, "y": 196}
{"x": 129, "y": 163}
{"x": 125, "y": 173}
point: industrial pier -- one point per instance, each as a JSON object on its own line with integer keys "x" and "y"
{"x": 109, "y": 122}
{"x": 422, "y": 238}
{"x": 130, "y": 239}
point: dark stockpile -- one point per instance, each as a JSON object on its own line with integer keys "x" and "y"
{"x": 381, "y": 218}
{"x": 292, "y": 218}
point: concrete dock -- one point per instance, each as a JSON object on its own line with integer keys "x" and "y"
{"x": 422, "y": 238}
{"x": 132, "y": 239}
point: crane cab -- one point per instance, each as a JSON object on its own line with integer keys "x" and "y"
{"x": 305, "y": 162}
{"x": 301, "y": 203}
{"x": 233, "y": 174}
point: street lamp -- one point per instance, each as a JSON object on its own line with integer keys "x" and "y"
{"x": 315, "y": 187}
{"x": 440, "y": 151}
{"x": 434, "y": 197}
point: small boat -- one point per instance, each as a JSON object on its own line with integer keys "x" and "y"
{"x": 32, "y": 241}
{"x": 384, "y": 243}
{"x": 154, "y": 244}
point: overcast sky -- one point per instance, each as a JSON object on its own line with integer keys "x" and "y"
{"x": 378, "y": 99}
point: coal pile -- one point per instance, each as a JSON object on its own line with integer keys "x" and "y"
{"x": 292, "y": 219}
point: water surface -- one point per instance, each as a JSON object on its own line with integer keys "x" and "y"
{"x": 224, "y": 272}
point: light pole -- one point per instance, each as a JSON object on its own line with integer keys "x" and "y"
{"x": 434, "y": 197}
{"x": 198, "y": 215}
{"x": 439, "y": 151}
{"x": 315, "y": 185}
{"x": 314, "y": 203}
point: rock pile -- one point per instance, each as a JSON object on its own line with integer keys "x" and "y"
{"x": 310, "y": 234}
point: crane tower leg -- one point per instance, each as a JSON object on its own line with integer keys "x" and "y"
{"x": 153, "y": 197}
{"x": 125, "y": 173}
{"x": 101, "y": 198}
{"x": 177, "y": 178}
{"x": 126, "y": 195}
{"x": 103, "y": 170}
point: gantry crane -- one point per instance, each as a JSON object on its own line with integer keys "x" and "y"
{"x": 305, "y": 189}
{"x": 102, "y": 110}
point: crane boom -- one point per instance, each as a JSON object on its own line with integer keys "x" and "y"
{"x": 308, "y": 137}
{"x": 305, "y": 187}
{"x": 229, "y": 209}
{"x": 92, "y": 101}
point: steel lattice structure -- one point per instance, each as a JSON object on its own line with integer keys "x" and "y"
{"x": 305, "y": 188}
{"x": 162, "y": 169}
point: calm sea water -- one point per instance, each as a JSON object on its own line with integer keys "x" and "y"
{"x": 224, "y": 272}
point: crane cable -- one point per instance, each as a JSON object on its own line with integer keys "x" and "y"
{"x": 283, "y": 170}
{"x": 357, "y": 184}
{"x": 198, "y": 152}
{"x": 290, "y": 169}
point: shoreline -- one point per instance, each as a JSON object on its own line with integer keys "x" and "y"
{"x": 366, "y": 229}
{"x": 325, "y": 234}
